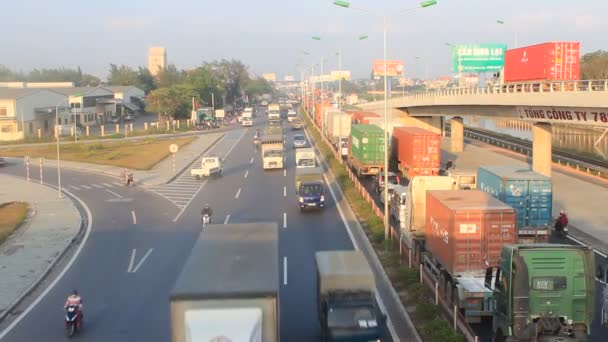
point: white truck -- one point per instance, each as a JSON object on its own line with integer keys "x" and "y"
{"x": 338, "y": 126}
{"x": 274, "y": 111}
{"x": 273, "y": 152}
{"x": 209, "y": 166}
{"x": 228, "y": 287}
{"x": 291, "y": 115}
{"x": 305, "y": 157}
{"x": 247, "y": 117}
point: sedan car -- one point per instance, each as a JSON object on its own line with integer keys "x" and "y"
{"x": 299, "y": 140}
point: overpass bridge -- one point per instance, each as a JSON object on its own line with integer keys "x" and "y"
{"x": 543, "y": 103}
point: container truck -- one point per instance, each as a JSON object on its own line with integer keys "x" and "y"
{"x": 465, "y": 231}
{"x": 228, "y": 286}
{"x": 543, "y": 292}
{"x": 366, "y": 154}
{"x": 529, "y": 192}
{"x": 305, "y": 157}
{"x": 552, "y": 61}
{"x": 362, "y": 117}
{"x": 464, "y": 179}
{"x": 310, "y": 188}
{"x": 273, "y": 156}
{"x": 274, "y": 111}
{"x": 338, "y": 126}
{"x": 346, "y": 302}
{"x": 418, "y": 151}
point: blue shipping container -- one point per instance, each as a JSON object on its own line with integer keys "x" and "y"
{"x": 528, "y": 192}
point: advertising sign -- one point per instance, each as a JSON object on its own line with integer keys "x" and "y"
{"x": 340, "y": 74}
{"x": 478, "y": 58}
{"x": 288, "y": 78}
{"x": 565, "y": 115}
{"x": 393, "y": 68}
{"x": 270, "y": 77}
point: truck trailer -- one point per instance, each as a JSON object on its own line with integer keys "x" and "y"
{"x": 366, "y": 149}
{"x": 346, "y": 302}
{"x": 228, "y": 287}
{"x": 543, "y": 292}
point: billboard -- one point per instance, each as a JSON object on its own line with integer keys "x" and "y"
{"x": 270, "y": 77}
{"x": 288, "y": 78}
{"x": 393, "y": 68}
{"x": 478, "y": 57}
{"x": 340, "y": 74}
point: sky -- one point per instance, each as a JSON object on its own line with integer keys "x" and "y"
{"x": 271, "y": 35}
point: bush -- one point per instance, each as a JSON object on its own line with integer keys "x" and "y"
{"x": 440, "y": 331}
{"x": 426, "y": 311}
{"x": 408, "y": 276}
{"x": 419, "y": 293}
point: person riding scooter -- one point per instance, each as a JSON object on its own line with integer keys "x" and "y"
{"x": 75, "y": 300}
{"x": 206, "y": 211}
{"x": 561, "y": 223}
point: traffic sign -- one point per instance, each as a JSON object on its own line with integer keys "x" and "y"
{"x": 173, "y": 148}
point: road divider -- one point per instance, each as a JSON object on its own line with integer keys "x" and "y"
{"x": 237, "y": 194}
{"x": 284, "y": 172}
{"x": 134, "y": 217}
{"x": 284, "y": 220}
{"x": 227, "y": 218}
{"x": 284, "y": 270}
{"x": 246, "y": 174}
{"x": 251, "y": 161}
{"x": 284, "y": 191}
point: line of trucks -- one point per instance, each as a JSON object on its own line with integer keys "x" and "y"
{"x": 228, "y": 290}
{"x": 478, "y": 244}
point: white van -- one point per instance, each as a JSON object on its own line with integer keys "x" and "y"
{"x": 397, "y": 208}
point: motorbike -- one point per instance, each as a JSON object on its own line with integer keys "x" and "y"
{"x": 73, "y": 322}
{"x": 128, "y": 179}
{"x": 560, "y": 230}
{"x": 205, "y": 220}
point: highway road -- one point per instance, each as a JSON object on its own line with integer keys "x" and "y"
{"x": 139, "y": 240}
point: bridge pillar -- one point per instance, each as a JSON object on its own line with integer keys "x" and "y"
{"x": 457, "y": 134}
{"x": 541, "y": 148}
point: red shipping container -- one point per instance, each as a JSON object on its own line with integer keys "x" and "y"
{"x": 554, "y": 61}
{"x": 466, "y": 229}
{"x": 320, "y": 107}
{"x": 418, "y": 151}
{"x": 361, "y": 117}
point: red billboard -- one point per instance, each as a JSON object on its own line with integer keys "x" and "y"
{"x": 393, "y": 68}
{"x": 543, "y": 62}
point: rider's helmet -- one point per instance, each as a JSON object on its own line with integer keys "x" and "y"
{"x": 561, "y": 212}
{"x": 75, "y": 292}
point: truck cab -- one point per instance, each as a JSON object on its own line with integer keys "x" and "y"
{"x": 397, "y": 202}
{"x": 310, "y": 188}
{"x": 543, "y": 291}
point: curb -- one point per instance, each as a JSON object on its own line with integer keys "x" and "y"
{"x": 370, "y": 250}
{"x": 83, "y": 223}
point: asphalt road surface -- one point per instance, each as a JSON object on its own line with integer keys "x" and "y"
{"x": 139, "y": 241}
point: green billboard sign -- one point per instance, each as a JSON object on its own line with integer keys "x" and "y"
{"x": 478, "y": 57}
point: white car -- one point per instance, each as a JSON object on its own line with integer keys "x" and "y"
{"x": 246, "y": 122}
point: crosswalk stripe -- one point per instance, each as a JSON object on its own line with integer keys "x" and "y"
{"x": 86, "y": 187}
{"x": 116, "y": 183}
{"x": 97, "y": 186}
{"x": 74, "y": 187}
{"x": 108, "y": 185}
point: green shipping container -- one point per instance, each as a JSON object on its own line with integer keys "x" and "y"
{"x": 367, "y": 143}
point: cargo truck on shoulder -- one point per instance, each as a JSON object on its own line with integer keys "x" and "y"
{"x": 346, "y": 302}
{"x": 366, "y": 154}
{"x": 228, "y": 286}
{"x": 338, "y": 126}
{"x": 273, "y": 152}
{"x": 529, "y": 192}
{"x": 543, "y": 292}
{"x": 310, "y": 188}
{"x": 465, "y": 232}
{"x": 418, "y": 151}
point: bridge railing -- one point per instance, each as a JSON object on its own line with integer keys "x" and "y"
{"x": 512, "y": 88}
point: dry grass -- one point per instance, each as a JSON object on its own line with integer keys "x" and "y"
{"x": 12, "y": 215}
{"x": 138, "y": 155}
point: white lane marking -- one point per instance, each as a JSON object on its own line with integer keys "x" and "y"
{"x": 227, "y": 218}
{"x": 113, "y": 193}
{"x": 134, "y": 217}
{"x": 284, "y": 191}
{"x": 97, "y": 186}
{"x": 389, "y": 323}
{"x": 61, "y": 274}
{"x": 108, "y": 185}
{"x": 86, "y": 187}
{"x": 246, "y": 173}
{"x": 237, "y": 193}
{"x": 251, "y": 161}
{"x": 74, "y": 187}
{"x": 284, "y": 220}
{"x": 284, "y": 270}
{"x": 584, "y": 244}
{"x": 284, "y": 173}
{"x": 116, "y": 183}
{"x": 141, "y": 262}
{"x": 205, "y": 182}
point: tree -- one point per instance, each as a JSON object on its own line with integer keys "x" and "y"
{"x": 232, "y": 75}
{"x": 62, "y": 75}
{"x": 205, "y": 83}
{"x": 122, "y": 76}
{"x": 172, "y": 102}
{"x": 7, "y": 75}
{"x": 170, "y": 76}
{"x": 594, "y": 65}
{"x": 258, "y": 86}
{"x": 145, "y": 80}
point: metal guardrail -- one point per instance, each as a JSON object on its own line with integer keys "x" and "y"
{"x": 589, "y": 165}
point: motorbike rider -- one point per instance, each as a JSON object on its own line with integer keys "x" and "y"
{"x": 206, "y": 211}
{"x": 74, "y": 299}
{"x": 562, "y": 221}
{"x": 449, "y": 165}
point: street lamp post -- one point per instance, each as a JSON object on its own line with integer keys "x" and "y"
{"x": 57, "y": 133}
{"x": 423, "y": 4}
{"x": 502, "y": 22}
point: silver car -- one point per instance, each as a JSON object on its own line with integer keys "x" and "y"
{"x": 299, "y": 141}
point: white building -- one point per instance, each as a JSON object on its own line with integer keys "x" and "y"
{"x": 24, "y": 111}
{"x": 89, "y": 105}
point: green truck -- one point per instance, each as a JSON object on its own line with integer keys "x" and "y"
{"x": 543, "y": 292}
{"x": 366, "y": 154}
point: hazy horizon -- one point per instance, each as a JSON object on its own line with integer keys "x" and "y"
{"x": 270, "y": 35}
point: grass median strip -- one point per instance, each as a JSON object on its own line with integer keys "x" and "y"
{"x": 415, "y": 297}
{"x": 138, "y": 155}
{"x": 12, "y": 215}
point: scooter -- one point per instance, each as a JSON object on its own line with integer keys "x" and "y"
{"x": 559, "y": 230}
{"x": 205, "y": 220}
{"x": 72, "y": 321}
{"x": 128, "y": 179}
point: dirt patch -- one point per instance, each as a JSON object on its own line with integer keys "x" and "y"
{"x": 12, "y": 214}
